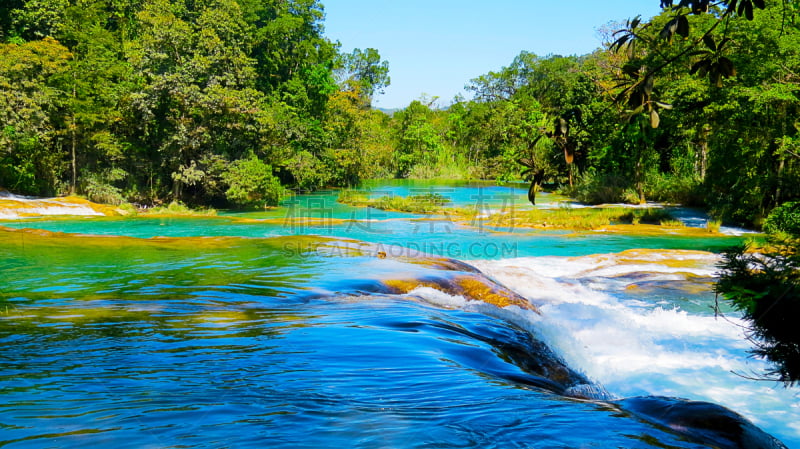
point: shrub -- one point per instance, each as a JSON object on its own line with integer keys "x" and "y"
{"x": 713, "y": 226}
{"x": 674, "y": 189}
{"x": 252, "y": 184}
{"x": 180, "y": 209}
{"x": 784, "y": 219}
{"x": 593, "y": 188}
{"x": 98, "y": 187}
{"x": 766, "y": 289}
{"x": 424, "y": 204}
{"x": 353, "y": 197}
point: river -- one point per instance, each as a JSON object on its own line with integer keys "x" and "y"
{"x": 318, "y": 324}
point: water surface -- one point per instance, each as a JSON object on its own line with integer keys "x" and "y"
{"x": 249, "y": 329}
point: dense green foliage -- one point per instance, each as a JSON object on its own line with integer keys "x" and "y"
{"x": 765, "y": 286}
{"x": 784, "y": 219}
{"x": 252, "y": 183}
{"x": 157, "y": 101}
{"x": 205, "y": 102}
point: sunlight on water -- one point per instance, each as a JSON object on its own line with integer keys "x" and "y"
{"x": 666, "y": 341}
{"x": 322, "y": 325}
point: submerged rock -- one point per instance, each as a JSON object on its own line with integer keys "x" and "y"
{"x": 702, "y": 422}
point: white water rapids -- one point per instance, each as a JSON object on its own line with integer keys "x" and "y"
{"x": 633, "y": 323}
{"x": 16, "y": 207}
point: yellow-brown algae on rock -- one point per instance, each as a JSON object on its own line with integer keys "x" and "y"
{"x": 292, "y": 221}
{"x": 19, "y": 207}
{"x": 31, "y": 238}
{"x": 480, "y": 288}
{"x": 692, "y": 285}
{"x": 658, "y": 230}
{"x": 402, "y": 286}
{"x": 472, "y": 286}
{"x": 651, "y": 270}
{"x": 657, "y": 258}
{"x": 455, "y": 277}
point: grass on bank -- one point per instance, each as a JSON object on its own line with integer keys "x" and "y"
{"x": 569, "y": 218}
{"x": 428, "y": 203}
{"x": 587, "y": 218}
{"x": 174, "y": 208}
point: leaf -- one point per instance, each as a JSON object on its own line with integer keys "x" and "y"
{"x": 726, "y": 67}
{"x": 698, "y": 65}
{"x": 621, "y": 96}
{"x": 636, "y": 100}
{"x": 619, "y": 43}
{"x": 683, "y": 26}
{"x": 569, "y": 155}
{"x": 664, "y": 105}
{"x": 669, "y": 29}
{"x": 654, "y": 119}
{"x": 631, "y": 69}
{"x": 635, "y": 111}
{"x": 715, "y": 77}
{"x": 625, "y": 83}
{"x": 709, "y": 41}
{"x": 561, "y": 127}
{"x": 759, "y": 4}
{"x": 700, "y": 6}
{"x": 748, "y": 11}
{"x": 648, "y": 84}
{"x": 526, "y": 162}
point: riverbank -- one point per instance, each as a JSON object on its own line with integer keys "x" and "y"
{"x": 433, "y": 206}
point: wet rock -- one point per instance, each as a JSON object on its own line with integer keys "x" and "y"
{"x": 701, "y": 422}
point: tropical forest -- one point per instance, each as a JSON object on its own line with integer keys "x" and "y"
{"x": 583, "y": 248}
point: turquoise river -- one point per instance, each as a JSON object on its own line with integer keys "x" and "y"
{"x": 318, "y": 324}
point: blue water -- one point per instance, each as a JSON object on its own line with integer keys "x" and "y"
{"x": 226, "y": 332}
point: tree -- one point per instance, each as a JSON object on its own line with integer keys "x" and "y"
{"x": 711, "y": 61}
{"x": 751, "y": 151}
{"x": 765, "y": 287}
{"x": 198, "y": 100}
{"x": 252, "y": 184}
{"x": 96, "y": 81}
{"x": 30, "y": 155}
{"x": 420, "y": 144}
{"x": 38, "y": 19}
{"x": 7, "y": 30}
{"x": 363, "y": 72}
{"x": 155, "y": 100}
{"x": 360, "y": 145}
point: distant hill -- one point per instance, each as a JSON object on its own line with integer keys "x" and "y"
{"x": 389, "y": 112}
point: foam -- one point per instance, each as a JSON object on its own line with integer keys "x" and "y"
{"x": 634, "y": 347}
{"x": 438, "y": 298}
{"x": 44, "y": 207}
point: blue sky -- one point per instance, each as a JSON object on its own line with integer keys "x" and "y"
{"x": 436, "y": 46}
